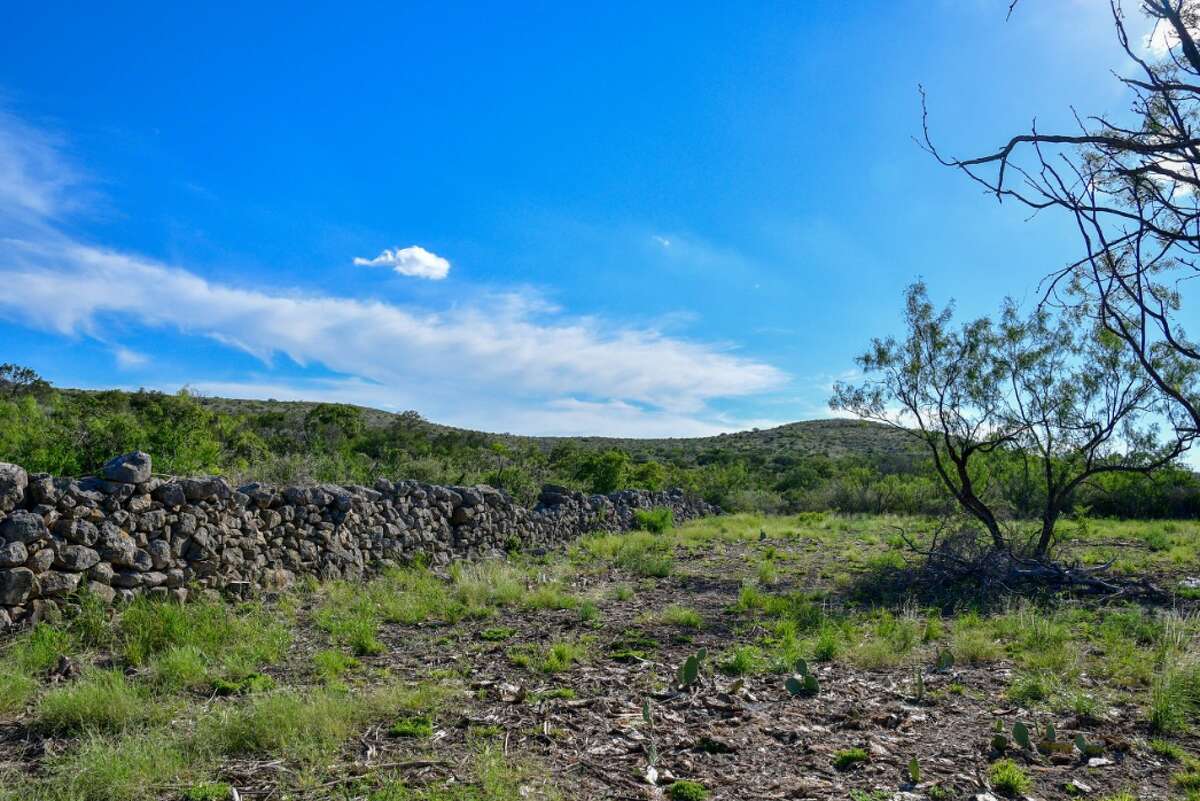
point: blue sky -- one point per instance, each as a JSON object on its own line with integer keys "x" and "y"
{"x": 629, "y": 219}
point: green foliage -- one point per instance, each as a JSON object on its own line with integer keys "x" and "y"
{"x": 101, "y": 701}
{"x": 849, "y": 757}
{"x": 839, "y": 465}
{"x": 689, "y": 671}
{"x": 685, "y": 790}
{"x": 416, "y": 727}
{"x": 207, "y": 791}
{"x": 1008, "y": 778}
{"x": 655, "y": 521}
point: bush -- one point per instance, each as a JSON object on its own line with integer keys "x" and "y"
{"x": 657, "y": 521}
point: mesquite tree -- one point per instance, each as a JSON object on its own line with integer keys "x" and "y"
{"x": 1130, "y": 184}
{"x": 1051, "y": 388}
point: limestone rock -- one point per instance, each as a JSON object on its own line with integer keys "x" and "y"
{"x": 24, "y": 527}
{"x": 16, "y": 585}
{"x": 13, "y": 481}
{"x": 130, "y": 468}
{"x": 13, "y": 554}
{"x": 76, "y": 558}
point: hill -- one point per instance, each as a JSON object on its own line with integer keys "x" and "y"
{"x": 833, "y": 438}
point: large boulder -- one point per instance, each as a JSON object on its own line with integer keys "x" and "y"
{"x": 13, "y": 481}
{"x": 129, "y": 468}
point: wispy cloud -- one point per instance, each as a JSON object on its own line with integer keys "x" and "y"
{"x": 508, "y": 360}
{"x": 414, "y": 261}
{"x": 128, "y": 359}
{"x": 37, "y": 185}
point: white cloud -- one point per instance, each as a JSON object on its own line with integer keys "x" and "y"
{"x": 36, "y": 183}
{"x": 128, "y": 359}
{"x": 505, "y": 346}
{"x": 414, "y": 261}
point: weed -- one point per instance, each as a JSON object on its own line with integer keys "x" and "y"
{"x": 331, "y": 664}
{"x": 741, "y": 660}
{"x": 657, "y": 521}
{"x": 682, "y": 616}
{"x": 497, "y": 633}
{"x": 848, "y": 758}
{"x": 1008, "y": 778}
{"x": 207, "y": 791}
{"x": 101, "y": 701}
{"x": 417, "y": 727}
{"x": 684, "y": 790}
{"x": 1167, "y": 750}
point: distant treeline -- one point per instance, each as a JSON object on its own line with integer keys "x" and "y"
{"x": 74, "y": 432}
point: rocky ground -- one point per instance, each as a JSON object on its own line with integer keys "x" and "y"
{"x": 568, "y": 685}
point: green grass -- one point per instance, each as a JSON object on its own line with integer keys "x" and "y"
{"x": 657, "y": 521}
{"x": 207, "y": 791}
{"x": 1174, "y": 697}
{"x": 742, "y": 660}
{"x": 848, "y": 758}
{"x": 100, "y": 701}
{"x": 331, "y": 665}
{"x": 304, "y": 726}
{"x": 686, "y": 790}
{"x": 557, "y": 657}
{"x": 682, "y": 616}
{"x": 1008, "y": 778}
{"x": 103, "y": 768}
{"x": 493, "y": 776}
{"x": 415, "y": 727}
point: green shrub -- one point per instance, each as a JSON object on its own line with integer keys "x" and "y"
{"x": 656, "y": 521}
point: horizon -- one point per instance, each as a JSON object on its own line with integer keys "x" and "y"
{"x": 505, "y": 222}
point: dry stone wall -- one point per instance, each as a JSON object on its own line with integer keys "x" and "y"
{"x": 128, "y": 531}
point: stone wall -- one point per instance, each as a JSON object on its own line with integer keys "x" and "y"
{"x": 129, "y": 531}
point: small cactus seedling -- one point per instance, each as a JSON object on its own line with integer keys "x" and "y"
{"x": 999, "y": 738}
{"x": 919, "y": 683}
{"x": 805, "y": 685}
{"x": 1086, "y": 748}
{"x": 945, "y": 660}
{"x": 1020, "y": 733}
{"x": 689, "y": 671}
{"x": 914, "y": 771}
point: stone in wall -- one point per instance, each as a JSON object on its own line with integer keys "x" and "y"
{"x": 128, "y": 532}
